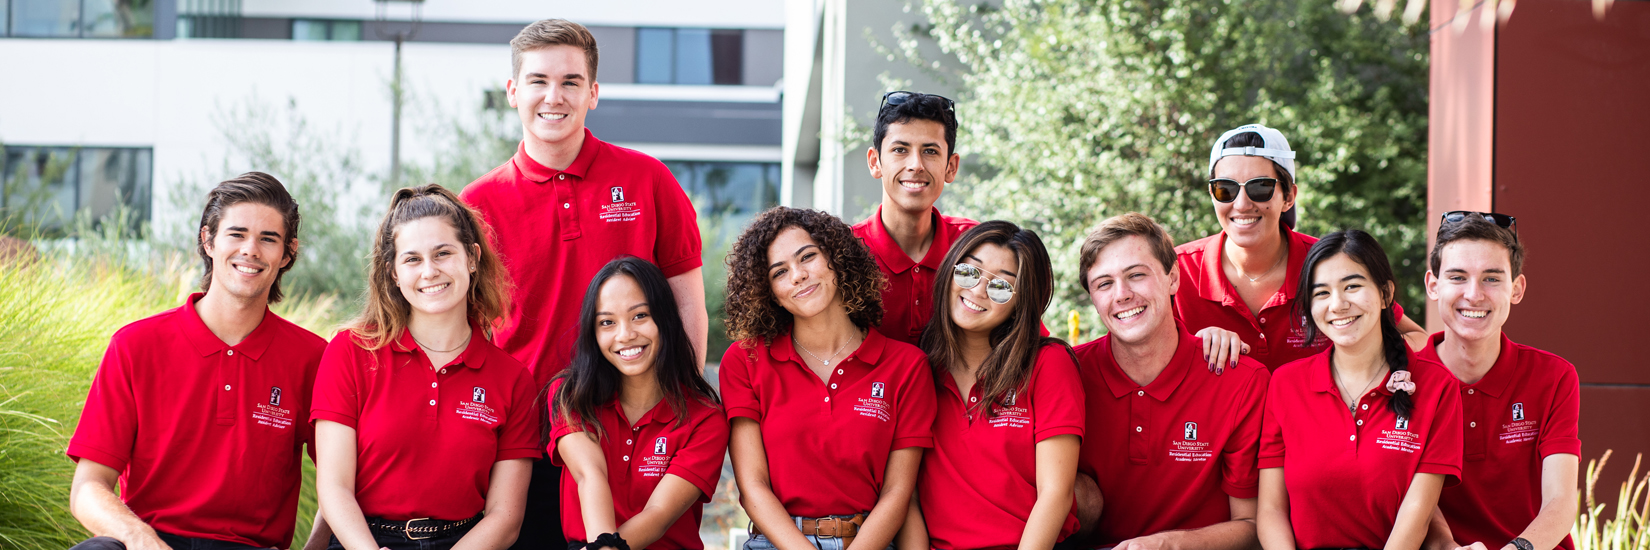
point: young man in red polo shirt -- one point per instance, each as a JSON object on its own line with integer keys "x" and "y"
{"x": 200, "y": 412}
{"x": 913, "y": 151}
{"x": 1521, "y": 405}
{"x": 565, "y": 205}
{"x": 1171, "y": 445}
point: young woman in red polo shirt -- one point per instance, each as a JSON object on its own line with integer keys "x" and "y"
{"x": 1235, "y": 286}
{"x": 1010, "y": 420}
{"x": 1356, "y": 441}
{"x": 425, "y": 431}
{"x": 639, "y": 432}
{"x": 828, "y": 417}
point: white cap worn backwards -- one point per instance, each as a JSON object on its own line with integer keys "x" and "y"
{"x": 1276, "y": 149}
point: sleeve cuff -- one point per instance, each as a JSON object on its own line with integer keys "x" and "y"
{"x": 1451, "y": 472}
{"x": 1235, "y": 491}
{"x": 512, "y": 454}
{"x": 78, "y": 451}
{"x": 332, "y": 416}
{"x": 681, "y": 266}
{"x": 1561, "y": 445}
{"x": 909, "y": 442}
{"x": 1269, "y": 462}
{"x": 1057, "y": 430}
{"x": 745, "y": 412}
{"x": 706, "y": 487}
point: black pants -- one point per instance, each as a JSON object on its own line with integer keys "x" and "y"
{"x": 541, "y": 524}
{"x": 175, "y": 541}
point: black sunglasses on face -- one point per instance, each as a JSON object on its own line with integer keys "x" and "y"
{"x": 900, "y": 97}
{"x": 1259, "y": 189}
{"x": 1504, "y": 221}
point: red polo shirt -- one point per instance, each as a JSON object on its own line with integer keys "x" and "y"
{"x": 877, "y": 400}
{"x": 906, "y": 301}
{"x": 1526, "y": 408}
{"x": 1173, "y": 450}
{"x": 206, "y": 435}
{"x": 1347, "y": 474}
{"x": 555, "y": 230}
{"x": 426, "y": 440}
{"x": 1207, "y": 299}
{"x": 979, "y": 482}
{"x": 638, "y": 458}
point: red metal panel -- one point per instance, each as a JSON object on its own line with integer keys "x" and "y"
{"x": 1460, "y": 118}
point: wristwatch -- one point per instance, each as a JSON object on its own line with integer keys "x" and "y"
{"x": 1522, "y": 544}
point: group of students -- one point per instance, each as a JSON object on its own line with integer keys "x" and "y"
{"x": 527, "y": 367}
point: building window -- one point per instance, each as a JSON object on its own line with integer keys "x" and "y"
{"x": 209, "y": 19}
{"x": 689, "y": 56}
{"x": 47, "y": 186}
{"x": 731, "y": 192}
{"x": 78, "y": 18}
{"x": 325, "y": 29}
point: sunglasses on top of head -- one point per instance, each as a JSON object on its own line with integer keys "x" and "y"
{"x": 1226, "y": 190}
{"x": 969, "y": 275}
{"x": 901, "y": 97}
{"x": 1504, "y": 221}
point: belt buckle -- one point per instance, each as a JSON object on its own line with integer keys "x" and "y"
{"x": 407, "y": 529}
{"x": 820, "y": 523}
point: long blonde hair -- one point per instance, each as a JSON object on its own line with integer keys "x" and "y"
{"x": 387, "y": 312}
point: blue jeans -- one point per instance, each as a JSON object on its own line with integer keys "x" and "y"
{"x": 760, "y": 542}
{"x": 177, "y": 542}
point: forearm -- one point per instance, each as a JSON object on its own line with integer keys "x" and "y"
{"x": 506, "y": 504}
{"x": 1228, "y": 535}
{"x": 1272, "y": 524}
{"x": 893, "y": 503}
{"x": 493, "y": 532}
{"x": 320, "y": 534}
{"x": 1412, "y": 333}
{"x": 1409, "y": 529}
{"x": 647, "y": 527}
{"x": 914, "y": 534}
{"x": 1551, "y": 525}
{"x": 1047, "y": 516}
{"x": 1439, "y": 536}
{"x": 344, "y": 517}
{"x": 770, "y": 517}
{"x": 689, "y": 289}
{"x": 104, "y": 515}
{"x": 596, "y": 508}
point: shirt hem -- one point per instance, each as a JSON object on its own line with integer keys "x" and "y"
{"x": 78, "y": 451}
{"x": 1056, "y": 431}
{"x": 1269, "y": 462}
{"x": 331, "y": 416}
{"x": 909, "y": 442}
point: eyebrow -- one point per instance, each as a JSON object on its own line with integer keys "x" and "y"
{"x": 794, "y": 254}
{"x": 1354, "y": 276}
{"x": 908, "y": 144}
{"x": 1460, "y": 270}
{"x": 239, "y": 229}
{"x": 437, "y": 247}
{"x": 978, "y": 260}
{"x": 632, "y": 308}
{"x": 568, "y": 76}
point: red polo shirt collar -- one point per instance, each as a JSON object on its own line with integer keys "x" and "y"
{"x": 474, "y": 354}
{"x": 1223, "y": 291}
{"x": 1162, "y": 387}
{"x": 1319, "y": 379}
{"x": 869, "y": 352}
{"x": 206, "y": 343}
{"x": 1496, "y": 380}
{"x": 887, "y": 249}
{"x": 538, "y": 173}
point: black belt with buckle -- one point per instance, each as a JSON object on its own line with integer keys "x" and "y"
{"x": 421, "y": 528}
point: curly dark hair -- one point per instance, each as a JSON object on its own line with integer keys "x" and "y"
{"x": 752, "y": 311}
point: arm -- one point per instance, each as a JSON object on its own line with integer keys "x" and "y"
{"x": 1089, "y": 504}
{"x": 894, "y": 504}
{"x": 1412, "y": 333}
{"x": 92, "y": 500}
{"x": 750, "y": 472}
{"x": 587, "y": 464}
{"x": 1056, "y": 472}
{"x": 670, "y": 499}
{"x": 1558, "y": 503}
{"x": 1272, "y": 524}
{"x": 1410, "y": 527}
{"x": 1439, "y": 536}
{"x": 689, "y": 289}
{"x": 506, "y": 504}
{"x": 335, "y": 485}
{"x": 1221, "y": 348}
{"x": 320, "y": 534}
{"x": 914, "y": 535}
{"x": 1237, "y": 534}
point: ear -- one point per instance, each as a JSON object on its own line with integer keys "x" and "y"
{"x": 1174, "y": 279}
{"x": 595, "y": 95}
{"x": 1432, "y": 285}
{"x": 475, "y": 257}
{"x": 510, "y": 92}
{"x": 1290, "y": 196}
{"x": 1518, "y": 289}
{"x": 1389, "y": 294}
{"x": 291, "y": 253}
{"x": 205, "y": 240}
{"x": 873, "y": 162}
{"x": 951, "y": 167}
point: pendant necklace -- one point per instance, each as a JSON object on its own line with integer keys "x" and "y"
{"x": 827, "y": 361}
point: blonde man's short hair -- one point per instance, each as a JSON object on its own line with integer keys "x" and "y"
{"x": 553, "y": 32}
{"x": 1117, "y": 228}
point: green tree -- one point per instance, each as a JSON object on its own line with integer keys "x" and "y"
{"x": 1081, "y": 110}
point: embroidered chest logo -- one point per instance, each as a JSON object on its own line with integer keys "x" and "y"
{"x": 1009, "y": 413}
{"x": 617, "y": 192}
{"x": 1521, "y": 429}
{"x": 1402, "y": 424}
{"x": 877, "y": 405}
{"x": 659, "y": 446}
{"x": 1518, "y": 412}
{"x": 656, "y": 464}
{"x": 477, "y": 409}
{"x": 1399, "y": 438}
{"x": 1191, "y": 431}
{"x": 271, "y": 414}
{"x": 1187, "y": 448}
{"x": 618, "y": 209}
{"x": 478, "y": 395}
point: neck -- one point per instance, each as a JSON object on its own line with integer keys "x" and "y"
{"x": 914, "y": 232}
{"x": 974, "y": 348}
{"x": 827, "y": 332}
{"x": 555, "y": 156}
{"x": 1359, "y": 361}
{"x": 1144, "y": 361}
{"x": 230, "y": 318}
{"x": 445, "y": 331}
{"x": 640, "y": 392}
{"x": 1469, "y": 359}
{"x": 1257, "y": 260}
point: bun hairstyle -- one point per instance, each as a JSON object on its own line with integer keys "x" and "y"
{"x": 590, "y": 381}
{"x": 1364, "y": 249}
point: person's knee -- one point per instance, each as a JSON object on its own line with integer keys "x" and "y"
{"x": 1088, "y": 504}
{"x": 99, "y": 543}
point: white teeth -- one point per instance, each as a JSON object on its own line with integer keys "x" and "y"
{"x": 1130, "y": 313}
{"x": 434, "y": 289}
{"x": 631, "y": 352}
{"x": 553, "y": 116}
{"x": 913, "y": 185}
{"x": 1245, "y": 221}
{"x": 248, "y": 270}
{"x": 1474, "y": 314}
{"x": 1343, "y": 322}
{"x": 971, "y": 305}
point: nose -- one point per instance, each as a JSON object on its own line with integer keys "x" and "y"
{"x": 626, "y": 332}
{"x": 1243, "y": 202}
{"x": 1474, "y": 291}
{"x": 798, "y": 275}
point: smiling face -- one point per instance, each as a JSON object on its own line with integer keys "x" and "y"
{"x": 552, "y": 93}
{"x": 1346, "y": 304}
{"x": 1131, "y": 292}
{"x": 800, "y": 274}
{"x": 1475, "y": 288}
{"x": 248, "y": 251}
{"x": 625, "y": 330}
{"x": 1246, "y": 222}
{"x": 432, "y": 267}
{"x": 971, "y": 308}
{"x": 914, "y": 165}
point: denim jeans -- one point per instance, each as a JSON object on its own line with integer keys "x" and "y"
{"x": 175, "y": 541}
{"x": 760, "y": 542}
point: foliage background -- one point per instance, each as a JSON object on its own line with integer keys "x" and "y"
{"x": 1079, "y": 110}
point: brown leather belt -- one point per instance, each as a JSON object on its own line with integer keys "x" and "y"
{"x": 843, "y": 528}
